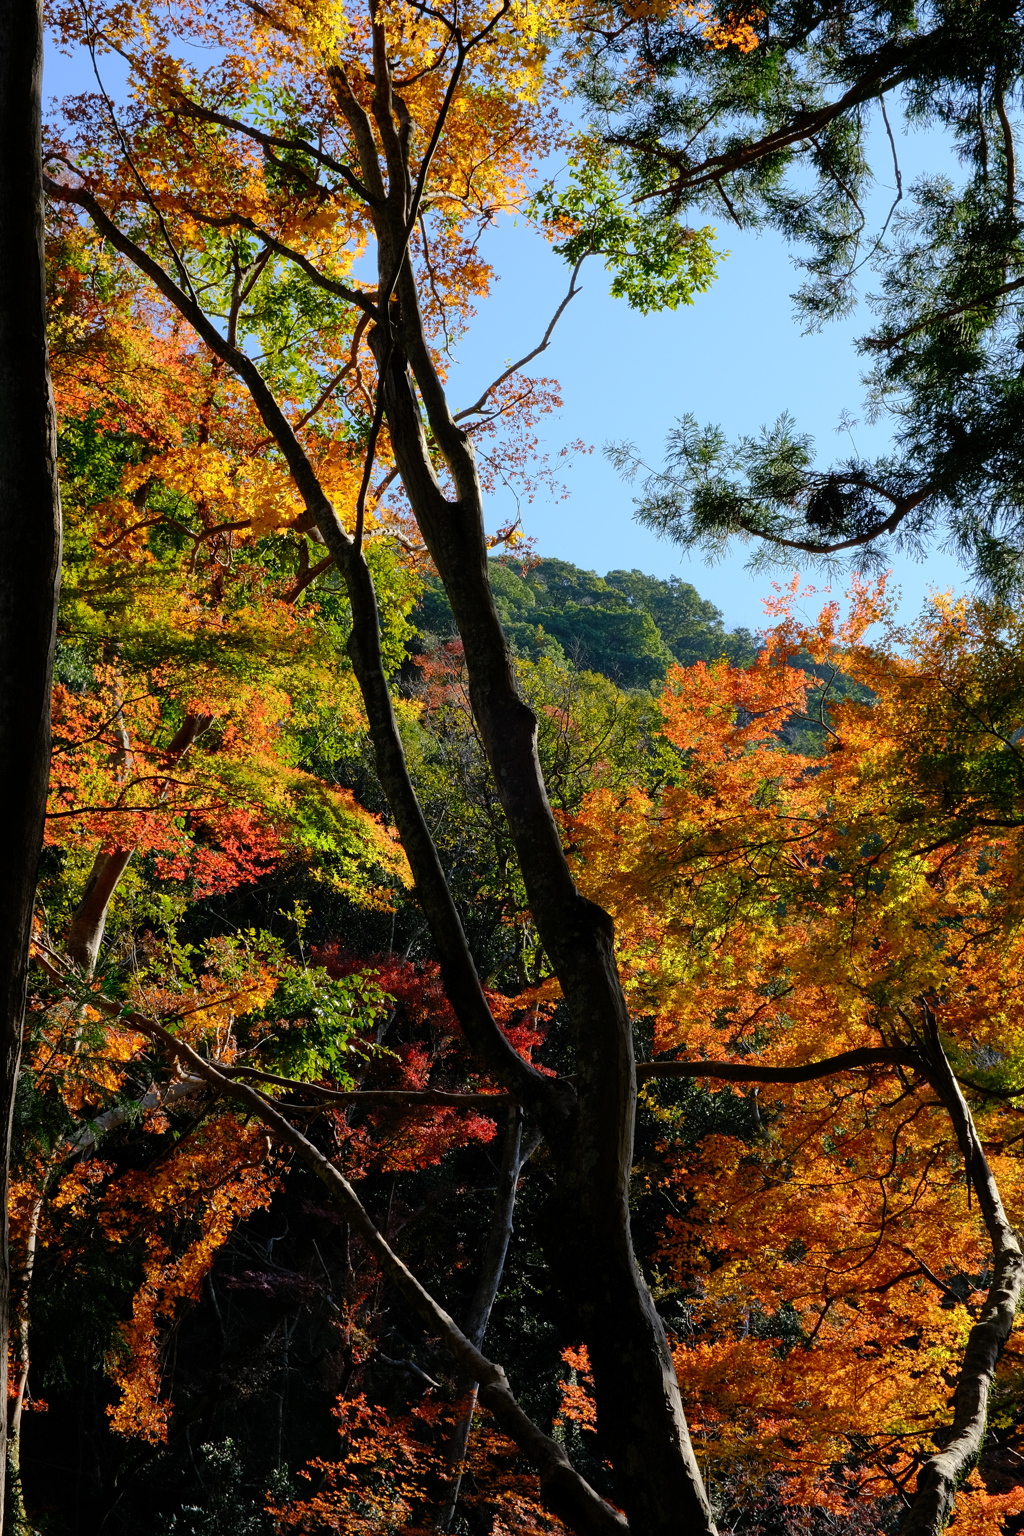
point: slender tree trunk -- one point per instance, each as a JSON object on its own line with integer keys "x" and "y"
{"x": 29, "y": 553}
{"x": 85, "y": 933}
{"x": 495, "y": 1252}
{"x": 17, "y": 1517}
{"x": 87, "y": 926}
{"x": 961, "y": 1445}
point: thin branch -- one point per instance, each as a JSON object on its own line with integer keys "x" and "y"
{"x": 565, "y": 1492}
{"x": 1009, "y": 155}
{"x": 183, "y": 271}
{"x": 542, "y": 345}
{"x": 328, "y": 284}
{"x": 129, "y": 810}
{"x": 886, "y": 343}
{"x": 371, "y": 447}
{"x": 307, "y": 577}
{"x": 385, "y": 1097}
{"x": 876, "y": 82}
{"x": 190, "y": 108}
{"x": 814, "y": 547}
{"x": 940, "y": 1284}
{"x": 331, "y": 385}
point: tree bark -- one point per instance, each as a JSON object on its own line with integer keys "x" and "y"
{"x": 495, "y": 1252}
{"x": 88, "y": 924}
{"x": 29, "y": 554}
{"x": 85, "y": 932}
{"x": 17, "y": 1521}
{"x": 943, "y": 1473}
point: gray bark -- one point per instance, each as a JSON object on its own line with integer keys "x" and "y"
{"x": 17, "y": 1521}
{"x": 962, "y": 1443}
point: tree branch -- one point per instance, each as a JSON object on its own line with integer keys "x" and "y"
{"x": 862, "y": 1060}
{"x": 564, "y": 1491}
{"x": 884, "y": 76}
{"x": 890, "y": 524}
{"x": 190, "y": 108}
{"x": 886, "y": 343}
{"x": 385, "y": 1097}
{"x": 542, "y": 346}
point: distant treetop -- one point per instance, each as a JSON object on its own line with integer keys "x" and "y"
{"x": 626, "y": 625}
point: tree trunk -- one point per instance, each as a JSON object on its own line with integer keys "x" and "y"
{"x": 85, "y": 933}
{"x": 495, "y": 1251}
{"x": 17, "y": 1521}
{"x": 640, "y": 1412}
{"x": 961, "y": 1445}
{"x": 29, "y": 552}
{"x": 87, "y": 926}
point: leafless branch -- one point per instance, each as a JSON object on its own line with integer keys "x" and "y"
{"x": 384, "y": 1097}
{"x": 542, "y": 345}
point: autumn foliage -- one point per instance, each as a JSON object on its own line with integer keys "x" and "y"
{"x": 780, "y": 908}
{"x": 300, "y": 1041}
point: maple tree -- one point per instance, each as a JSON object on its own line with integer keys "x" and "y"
{"x": 262, "y": 259}
{"x": 815, "y": 915}
{"x": 189, "y": 676}
{"x": 269, "y": 175}
{"x": 840, "y": 913}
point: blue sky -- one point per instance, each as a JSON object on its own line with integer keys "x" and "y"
{"x": 735, "y": 357}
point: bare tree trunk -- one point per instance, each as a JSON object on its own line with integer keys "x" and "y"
{"x": 17, "y": 1517}
{"x": 85, "y": 933}
{"x": 29, "y": 555}
{"x": 87, "y": 926}
{"x": 942, "y": 1473}
{"x": 495, "y": 1253}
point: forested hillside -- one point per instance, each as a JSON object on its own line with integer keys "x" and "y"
{"x": 501, "y": 1054}
{"x": 626, "y": 625}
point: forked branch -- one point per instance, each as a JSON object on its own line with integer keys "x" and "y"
{"x": 542, "y": 346}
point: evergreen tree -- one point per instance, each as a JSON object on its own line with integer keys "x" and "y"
{"x": 787, "y": 132}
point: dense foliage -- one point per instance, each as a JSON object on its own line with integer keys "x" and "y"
{"x": 482, "y": 1009}
{"x": 629, "y": 626}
